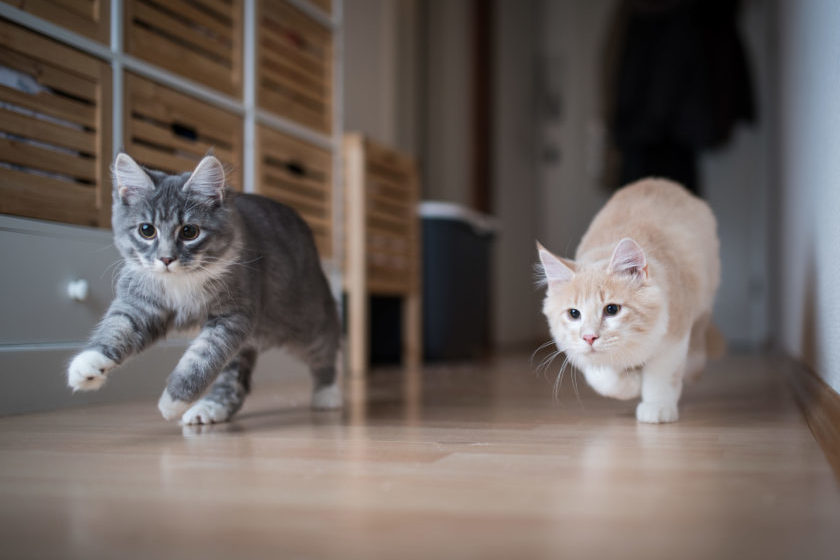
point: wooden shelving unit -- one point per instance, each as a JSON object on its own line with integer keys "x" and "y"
{"x": 55, "y": 132}
{"x": 171, "y": 131}
{"x": 255, "y": 80}
{"x": 199, "y": 41}
{"x": 299, "y": 174}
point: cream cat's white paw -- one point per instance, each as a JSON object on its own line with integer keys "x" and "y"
{"x": 656, "y": 413}
{"x": 88, "y": 371}
{"x": 205, "y": 411}
{"x": 610, "y": 383}
{"x": 327, "y": 398}
{"x": 171, "y": 408}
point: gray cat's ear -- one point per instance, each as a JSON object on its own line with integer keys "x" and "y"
{"x": 130, "y": 181}
{"x": 554, "y": 268}
{"x": 208, "y": 180}
{"x": 628, "y": 258}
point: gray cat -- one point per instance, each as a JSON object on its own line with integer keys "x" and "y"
{"x": 242, "y": 267}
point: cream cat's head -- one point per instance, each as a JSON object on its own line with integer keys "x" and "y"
{"x": 604, "y": 313}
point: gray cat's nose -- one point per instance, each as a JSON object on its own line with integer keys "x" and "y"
{"x": 167, "y": 260}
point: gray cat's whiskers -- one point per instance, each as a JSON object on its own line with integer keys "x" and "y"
{"x": 214, "y": 260}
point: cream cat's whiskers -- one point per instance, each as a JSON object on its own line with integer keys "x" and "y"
{"x": 545, "y": 362}
{"x": 643, "y": 279}
{"x": 558, "y": 381}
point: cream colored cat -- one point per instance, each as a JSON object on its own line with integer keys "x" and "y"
{"x": 633, "y": 309}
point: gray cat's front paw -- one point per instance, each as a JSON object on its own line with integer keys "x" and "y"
{"x": 88, "y": 371}
{"x": 656, "y": 413}
{"x": 171, "y": 408}
{"x": 205, "y": 411}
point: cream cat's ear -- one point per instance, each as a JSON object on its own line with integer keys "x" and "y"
{"x": 628, "y": 258}
{"x": 208, "y": 179}
{"x": 555, "y": 269}
{"x": 130, "y": 181}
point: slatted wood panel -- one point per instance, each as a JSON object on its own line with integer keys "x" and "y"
{"x": 295, "y": 58}
{"x": 300, "y": 175}
{"x": 325, "y": 5}
{"x": 170, "y": 131}
{"x": 198, "y": 39}
{"x": 382, "y": 233}
{"x": 55, "y": 130}
{"x": 391, "y": 193}
{"x": 91, "y": 18}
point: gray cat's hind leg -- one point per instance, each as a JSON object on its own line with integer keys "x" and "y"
{"x": 227, "y": 393}
{"x": 326, "y": 365}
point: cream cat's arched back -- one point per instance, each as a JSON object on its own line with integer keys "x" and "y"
{"x": 633, "y": 309}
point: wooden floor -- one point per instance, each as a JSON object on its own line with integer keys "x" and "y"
{"x": 474, "y": 462}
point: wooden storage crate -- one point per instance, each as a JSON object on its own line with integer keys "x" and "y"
{"x": 91, "y": 18}
{"x": 298, "y": 174}
{"x": 295, "y": 65}
{"x": 198, "y": 39}
{"x": 55, "y": 131}
{"x": 382, "y": 230}
{"x": 171, "y": 131}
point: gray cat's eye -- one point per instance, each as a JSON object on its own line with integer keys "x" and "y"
{"x": 147, "y": 231}
{"x": 189, "y": 232}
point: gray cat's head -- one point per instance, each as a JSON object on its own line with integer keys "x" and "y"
{"x": 171, "y": 224}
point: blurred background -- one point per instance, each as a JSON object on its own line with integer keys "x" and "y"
{"x": 533, "y": 111}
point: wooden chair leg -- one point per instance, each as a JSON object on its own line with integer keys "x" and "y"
{"x": 412, "y": 331}
{"x": 357, "y": 332}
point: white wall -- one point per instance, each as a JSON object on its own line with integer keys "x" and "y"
{"x": 447, "y": 149}
{"x": 737, "y": 184}
{"x": 806, "y": 251}
{"x": 381, "y": 72}
{"x": 572, "y": 36}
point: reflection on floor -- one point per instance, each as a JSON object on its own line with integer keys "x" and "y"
{"x": 461, "y": 461}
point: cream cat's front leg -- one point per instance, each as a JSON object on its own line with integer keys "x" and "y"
{"x": 608, "y": 382}
{"x": 662, "y": 381}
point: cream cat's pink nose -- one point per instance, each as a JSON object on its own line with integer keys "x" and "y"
{"x": 590, "y": 339}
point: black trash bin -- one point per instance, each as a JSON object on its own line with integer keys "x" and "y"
{"x": 457, "y": 267}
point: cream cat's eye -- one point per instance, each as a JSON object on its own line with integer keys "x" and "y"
{"x": 574, "y": 314}
{"x": 189, "y": 232}
{"x": 147, "y": 231}
{"x": 612, "y": 309}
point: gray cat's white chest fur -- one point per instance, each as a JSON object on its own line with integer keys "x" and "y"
{"x": 192, "y": 296}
